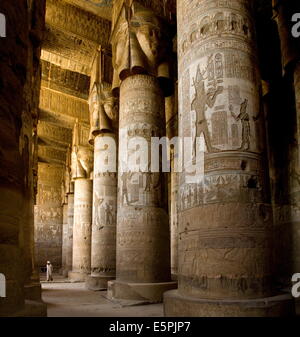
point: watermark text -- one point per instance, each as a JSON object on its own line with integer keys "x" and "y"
{"x": 2, "y": 25}
{"x": 2, "y": 285}
{"x": 296, "y": 26}
{"x": 296, "y": 286}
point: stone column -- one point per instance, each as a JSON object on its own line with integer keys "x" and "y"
{"x": 103, "y": 121}
{"x": 82, "y": 163}
{"x": 104, "y": 220}
{"x": 65, "y": 234}
{"x": 81, "y": 266}
{"x": 16, "y": 182}
{"x": 172, "y": 131}
{"x": 225, "y": 219}
{"x": 69, "y": 244}
{"x": 143, "y": 251}
{"x": 68, "y": 207}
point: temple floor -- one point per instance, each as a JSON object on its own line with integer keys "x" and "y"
{"x": 66, "y": 299}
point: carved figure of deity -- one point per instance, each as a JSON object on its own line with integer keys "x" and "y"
{"x": 124, "y": 178}
{"x": 108, "y": 214}
{"x": 243, "y": 116}
{"x": 97, "y": 209}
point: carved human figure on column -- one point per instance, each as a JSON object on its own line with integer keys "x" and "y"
{"x": 203, "y": 98}
{"x": 244, "y": 118}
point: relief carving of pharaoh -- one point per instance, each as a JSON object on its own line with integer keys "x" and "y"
{"x": 140, "y": 46}
{"x": 103, "y": 110}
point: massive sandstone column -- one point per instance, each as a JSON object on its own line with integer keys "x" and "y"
{"x": 225, "y": 220}
{"x": 69, "y": 248}
{"x": 103, "y": 120}
{"x": 68, "y": 209}
{"x": 82, "y": 163}
{"x": 19, "y": 101}
{"x": 143, "y": 252}
{"x": 172, "y": 131}
{"x": 64, "y": 238}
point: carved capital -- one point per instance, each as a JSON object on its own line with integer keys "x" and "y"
{"x": 82, "y": 153}
{"x": 102, "y": 105}
{"x": 104, "y": 110}
{"x": 141, "y": 44}
{"x": 82, "y": 162}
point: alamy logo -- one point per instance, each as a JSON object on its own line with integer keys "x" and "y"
{"x": 296, "y": 286}
{"x": 2, "y": 25}
{"x": 2, "y": 285}
{"x": 296, "y": 26}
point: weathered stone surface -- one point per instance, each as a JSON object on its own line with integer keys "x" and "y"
{"x": 73, "y": 36}
{"x": 81, "y": 265}
{"x": 81, "y": 172}
{"x": 19, "y": 73}
{"x": 140, "y": 43}
{"x": 231, "y": 248}
{"x": 103, "y": 129}
{"x": 102, "y": 8}
{"x": 142, "y": 235}
{"x": 49, "y": 216}
{"x": 65, "y": 239}
{"x": 69, "y": 250}
{"x": 104, "y": 217}
{"x": 172, "y": 131}
{"x": 177, "y": 305}
{"x": 225, "y": 221}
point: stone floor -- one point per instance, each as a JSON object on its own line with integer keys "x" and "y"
{"x": 65, "y": 299}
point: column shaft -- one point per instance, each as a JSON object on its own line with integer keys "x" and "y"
{"x": 104, "y": 220}
{"x": 225, "y": 219}
{"x": 143, "y": 250}
{"x": 64, "y": 239}
{"x": 82, "y": 229}
{"x": 69, "y": 248}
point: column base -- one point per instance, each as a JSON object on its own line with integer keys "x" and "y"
{"x": 33, "y": 291}
{"x": 65, "y": 272}
{"x": 176, "y": 305}
{"x": 174, "y": 277}
{"x": 144, "y": 292}
{"x": 32, "y": 309}
{"x": 98, "y": 282}
{"x": 77, "y": 277}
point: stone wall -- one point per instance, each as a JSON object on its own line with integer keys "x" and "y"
{"x": 49, "y": 215}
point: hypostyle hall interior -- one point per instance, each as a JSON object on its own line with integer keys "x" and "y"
{"x": 91, "y": 84}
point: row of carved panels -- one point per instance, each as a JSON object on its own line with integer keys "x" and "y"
{"x": 78, "y": 22}
{"x": 57, "y": 107}
{"x": 68, "y": 51}
{"x": 73, "y": 35}
{"x": 49, "y": 154}
{"x": 69, "y": 82}
{"x": 54, "y": 134}
{"x": 102, "y": 8}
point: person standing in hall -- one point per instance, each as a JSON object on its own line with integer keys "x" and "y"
{"x": 49, "y": 271}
